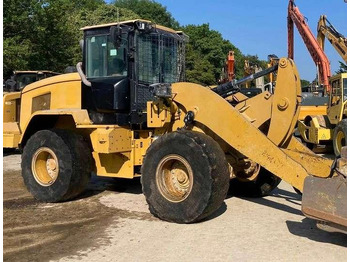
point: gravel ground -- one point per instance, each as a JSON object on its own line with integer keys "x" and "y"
{"x": 111, "y": 222}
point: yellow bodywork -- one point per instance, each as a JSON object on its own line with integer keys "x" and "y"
{"x": 115, "y": 150}
{"x": 311, "y": 110}
{"x": 237, "y": 128}
{"x": 21, "y": 107}
{"x": 337, "y": 40}
{"x": 337, "y": 101}
{"x": 12, "y": 133}
{"x": 318, "y": 128}
{"x": 259, "y": 128}
{"x": 66, "y": 90}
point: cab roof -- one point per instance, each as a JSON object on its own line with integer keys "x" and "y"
{"x": 131, "y": 22}
{"x": 34, "y": 72}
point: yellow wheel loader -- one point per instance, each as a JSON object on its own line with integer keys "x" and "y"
{"x": 127, "y": 113}
{"x": 20, "y": 79}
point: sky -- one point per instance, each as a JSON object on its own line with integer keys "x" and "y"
{"x": 260, "y": 27}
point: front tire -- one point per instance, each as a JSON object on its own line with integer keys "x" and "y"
{"x": 185, "y": 177}
{"x": 56, "y": 165}
{"x": 339, "y": 137}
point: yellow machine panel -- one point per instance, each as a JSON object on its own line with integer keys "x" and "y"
{"x": 111, "y": 139}
{"x": 10, "y": 106}
{"x": 158, "y": 115}
{"x": 113, "y": 165}
{"x": 311, "y": 110}
{"x": 37, "y": 96}
{"x": 11, "y": 135}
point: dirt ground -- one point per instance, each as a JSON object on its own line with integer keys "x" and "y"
{"x": 111, "y": 222}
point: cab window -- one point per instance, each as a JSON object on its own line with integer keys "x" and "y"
{"x": 103, "y": 59}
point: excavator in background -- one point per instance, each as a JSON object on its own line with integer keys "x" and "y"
{"x": 228, "y": 71}
{"x": 249, "y": 69}
{"x": 326, "y": 30}
{"x": 228, "y": 75}
{"x": 320, "y": 59}
{"x": 188, "y": 142}
{"x": 316, "y": 127}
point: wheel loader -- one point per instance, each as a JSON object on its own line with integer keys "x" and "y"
{"x": 20, "y": 79}
{"x": 127, "y": 113}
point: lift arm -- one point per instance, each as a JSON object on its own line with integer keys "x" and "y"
{"x": 326, "y": 30}
{"x": 274, "y": 149}
{"x": 319, "y": 57}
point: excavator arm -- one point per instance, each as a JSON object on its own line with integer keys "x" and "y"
{"x": 319, "y": 57}
{"x": 326, "y": 30}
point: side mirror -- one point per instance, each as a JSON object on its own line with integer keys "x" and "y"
{"x": 81, "y": 44}
{"x": 116, "y": 35}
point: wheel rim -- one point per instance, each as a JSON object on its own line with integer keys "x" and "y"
{"x": 174, "y": 178}
{"x": 45, "y": 166}
{"x": 339, "y": 141}
{"x": 249, "y": 172}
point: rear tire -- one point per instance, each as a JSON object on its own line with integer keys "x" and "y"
{"x": 261, "y": 186}
{"x": 339, "y": 137}
{"x": 185, "y": 177}
{"x": 56, "y": 165}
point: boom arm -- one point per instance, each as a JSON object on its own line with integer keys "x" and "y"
{"x": 276, "y": 149}
{"x": 338, "y": 41}
{"x": 316, "y": 52}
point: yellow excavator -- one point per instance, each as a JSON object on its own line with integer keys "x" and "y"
{"x": 326, "y": 30}
{"x": 128, "y": 113}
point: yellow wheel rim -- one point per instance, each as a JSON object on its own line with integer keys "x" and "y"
{"x": 45, "y": 166}
{"x": 339, "y": 142}
{"x": 174, "y": 178}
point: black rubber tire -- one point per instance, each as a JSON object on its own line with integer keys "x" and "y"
{"x": 262, "y": 186}
{"x": 210, "y": 176}
{"x": 74, "y": 159}
{"x": 341, "y": 127}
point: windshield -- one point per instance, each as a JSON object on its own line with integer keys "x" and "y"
{"x": 25, "y": 79}
{"x": 160, "y": 58}
{"x": 103, "y": 59}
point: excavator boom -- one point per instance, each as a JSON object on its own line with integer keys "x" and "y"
{"x": 326, "y": 30}
{"x": 319, "y": 57}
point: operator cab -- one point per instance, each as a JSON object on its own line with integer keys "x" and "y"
{"x": 120, "y": 63}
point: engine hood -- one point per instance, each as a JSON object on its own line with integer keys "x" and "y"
{"x": 52, "y": 80}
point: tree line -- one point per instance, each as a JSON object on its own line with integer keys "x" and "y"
{"x": 45, "y": 34}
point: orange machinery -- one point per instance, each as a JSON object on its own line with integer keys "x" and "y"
{"x": 319, "y": 57}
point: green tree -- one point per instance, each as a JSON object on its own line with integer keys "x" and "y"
{"x": 38, "y": 35}
{"x": 104, "y": 14}
{"x": 45, "y": 34}
{"x": 16, "y": 53}
{"x": 342, "y": 68}
{"x": 206, "y": 54}
{"x": 305, "y": 83}
{"x": 149, "y": 10}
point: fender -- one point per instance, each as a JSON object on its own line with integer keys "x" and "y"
{"x": 48, "y": 118}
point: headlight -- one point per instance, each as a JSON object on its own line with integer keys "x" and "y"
{"x": 162, "y": 90}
